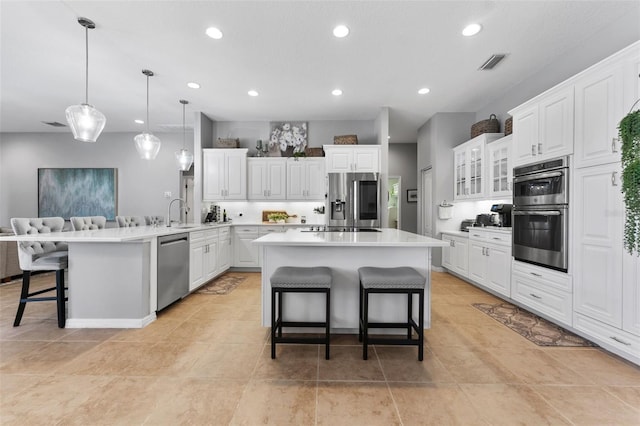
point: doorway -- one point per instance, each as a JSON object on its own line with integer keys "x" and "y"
{"x": 394, "y": 202}
{"x": 426, "y": 200}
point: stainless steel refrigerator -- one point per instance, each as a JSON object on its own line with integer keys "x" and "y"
{"x": 354, "y": 200}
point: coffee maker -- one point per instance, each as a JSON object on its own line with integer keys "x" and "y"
{"x": 504, "y": 214}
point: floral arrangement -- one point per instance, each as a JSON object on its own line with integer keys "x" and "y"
{"x": 287, "y": 135}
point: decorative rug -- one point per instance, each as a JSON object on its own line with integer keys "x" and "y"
{"x": 222, "y": 285}
{"x": 528, "y": 325}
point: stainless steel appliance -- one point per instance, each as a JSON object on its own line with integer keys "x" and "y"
{"x": 353, "y": 200}
{"x": 503, "y": 212}
{"x": 173, "y": 268}
{"x": 466, "y": 224}
{"x": 541, "y": 213}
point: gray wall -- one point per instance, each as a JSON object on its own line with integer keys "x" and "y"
{"x": 141, "y": 183}
{"x": 403, "y": 163}
{"x": 602, "y": 44}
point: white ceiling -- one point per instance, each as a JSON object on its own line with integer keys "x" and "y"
{"x": 283, "y": 49}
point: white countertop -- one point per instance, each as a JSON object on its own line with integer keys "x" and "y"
{"x": 385, "y": 238}
{"x": 495, "y": 229}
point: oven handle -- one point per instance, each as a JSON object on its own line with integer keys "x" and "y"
{"x": 537, "y": 213}
{"x": 537, "y": 176}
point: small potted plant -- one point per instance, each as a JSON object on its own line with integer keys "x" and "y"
{"x": 277, "y": 217}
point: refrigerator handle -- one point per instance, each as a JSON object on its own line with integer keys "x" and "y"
{"x": 355, "y": 203}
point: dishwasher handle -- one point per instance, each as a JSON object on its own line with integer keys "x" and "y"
{"x": 165, "y": 241}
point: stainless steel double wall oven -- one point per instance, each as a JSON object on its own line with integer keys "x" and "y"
{"x": 541, "y": 213}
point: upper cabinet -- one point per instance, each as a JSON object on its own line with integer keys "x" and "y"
{"x": 267, "y": 178}
{"x": 469, "y": 165}
{"x": 500, "y": 168}
{"x": 543, "y": 127}
{"x": 352, "y": 158}
{"x": 305, "y": 179}
{"x": 224, "y": 174}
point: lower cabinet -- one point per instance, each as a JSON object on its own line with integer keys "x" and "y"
{"x": 224, "y": 249}
{"x": 209, "y": 255}
{"x": 245, "y": 254}
{"x": 490, "y": 260}
{"x": 455, "y": 256}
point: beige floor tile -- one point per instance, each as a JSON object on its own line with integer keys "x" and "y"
{"x": 447, "y": 334}
{"x": 157, "y": 330}
{"x": 433, "y": 404}
{"x": 114, "y": 359}
{"x": 11, "y": 384}
{"x": 495, "y": 335}
{"x": 629, "y": 394}
{"x": 91, "y": 335}
{"x": 197, "y": 330}
{"x": 535, "y": 366}
{"x": 501, "y": 404}
{"x": 293, "y": 362}
{"x": 34, "y": 328}
{"x": 238, "y": 331}
{"x": 277, "y": 403}
{"x": 20, "y": 348}
{"x": 602, "y": 368}
{"x": 463, "y": 314}
{"x": 227, "y": 361}
{"x": 355, "y": 403}
{"x": 589, "y": 405}
{"x": 346, "y": 363}
{"x": 400, "y": 364}
{"x": 50, "y": 400}
{"x": 473, "y": 366}
{"x": 48, "y": 359}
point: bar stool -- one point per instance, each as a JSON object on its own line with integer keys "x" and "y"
{"x": 290, "y": 279}
{"x": 402, "y": 280}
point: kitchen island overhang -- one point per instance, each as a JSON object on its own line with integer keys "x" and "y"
{"x": 344, "y": 253}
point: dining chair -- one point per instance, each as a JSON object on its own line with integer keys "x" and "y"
{"x": 41, "y": 256}
{"x": 154, "y": 220}
{"x": 130, "y": 221}
{"x": 84, "y": 223}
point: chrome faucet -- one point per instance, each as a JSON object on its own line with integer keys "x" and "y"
{"x": 186, "y": 209}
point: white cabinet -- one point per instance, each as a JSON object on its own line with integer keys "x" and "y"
{"x": 544, "y": 291}
{"x": 352, "y": 158}
{"x": 598, "y": 215}
{"x": 224, "y": 249}
{"x": 306, "y": 179}
{"x": 490, "y": 259}
{"x": 245, "y": 253}
{"x": 500, "y": 168}
{"x": 267, "y": 178}
{"x": 203, "y": 257}
{"x": 469, "y": 167}
{"x": 224, "y": 174}
{"x": 455, "y": 256}
{"x": 543, "y": 127}
{"x": 631, "y": 294}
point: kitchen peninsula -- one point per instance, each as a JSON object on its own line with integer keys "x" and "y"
{"x": 344, "y": 253}
{"x": 112, "y": 279}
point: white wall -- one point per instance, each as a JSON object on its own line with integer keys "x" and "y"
{"x": 403, "y": 163}
{"x": 141, "y": 183}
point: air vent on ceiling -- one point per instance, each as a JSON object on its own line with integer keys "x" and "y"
{"x": 54, "y": 124}
{"x": 492, "y": 61}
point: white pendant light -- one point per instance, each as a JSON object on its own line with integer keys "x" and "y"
{"x": 147, "y": 145}
{"x": 184, "y": 159}
{"x": 85, "y": 121}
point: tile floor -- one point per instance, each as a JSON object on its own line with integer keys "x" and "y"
{"x": 206, "y": 361}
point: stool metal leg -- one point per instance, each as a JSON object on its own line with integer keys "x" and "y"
{"x": 26, "y": 276}
{"x": 273, "y": 323}
{"x": 280, "y": 319}
{"x": 365, "y": 325}
{"x": 62, "y": 316}
{"x": 421, "y": 326}
{"x": 409, "y": 313}
{"x": 360, "y": 313}
{"x": 328, "y": 323}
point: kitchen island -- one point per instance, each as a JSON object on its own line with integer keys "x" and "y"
{"x": 344, "y": 253}
{"x": 112, "y": 278}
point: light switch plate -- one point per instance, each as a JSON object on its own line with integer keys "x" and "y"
{"x": 167, "y": 194}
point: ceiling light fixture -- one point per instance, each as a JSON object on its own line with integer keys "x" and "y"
{"x": 192, "y": 85}
{"x": 471, "y": 30}
{"x": 424, "y": 91}
{"x": 214, "y": 33}
{"x": 184, "y": 159}
{"x": 341, "y": 31}
{"x": 336, "y": 92}
{"x": 139, "y": 121}
{"x": 85, "y": 121}
{"x": 147, "y": 145}
{"x": 252, "y": 93}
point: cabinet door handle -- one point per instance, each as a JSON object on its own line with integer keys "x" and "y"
{"x": 613, "y": 145}
{"x": 452, "y": 243}
{"x": 613, "y": 179}
{"x": 496, "y": 238}
{"x": 487, "y": 251}
{"x": 535, "y": 275}
{"x": 483, "y": 251}
{"x": 539, "y": 148}
{"x": 533, "y": 149}
{"x": 535, "y": 296}
{"x": 620, "y": 341}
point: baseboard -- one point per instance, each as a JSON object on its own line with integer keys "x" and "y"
{"x": 110, "y": 322}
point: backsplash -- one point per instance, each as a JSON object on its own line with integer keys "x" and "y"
{"x": 466, "y": 210}
{"x": 252, "y": 210}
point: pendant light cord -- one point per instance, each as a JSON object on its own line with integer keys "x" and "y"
{"x": 86, "y": 76}
{"x": 184, "y": 130}
{"x": 148, "y": 104}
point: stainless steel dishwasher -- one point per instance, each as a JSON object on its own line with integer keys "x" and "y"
{"x": 173, "y": 268}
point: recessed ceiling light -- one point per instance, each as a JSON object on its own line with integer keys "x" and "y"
{"x": 424, "y": 91}
{"x": 252, "y": 93}
{"x": 471, "y": 30}
{"x": 336, "y": 92}
{"x": 139, "y": 121}
{"x": 214, "y": 33}
{"x": 193, "y": 85}
{"x": 341, "y": 31}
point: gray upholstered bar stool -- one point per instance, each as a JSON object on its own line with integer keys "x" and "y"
{"x": 130, "y": 221}
{"x": 291, "y": 279}
{"x": 84, "y": 223}
{"x": 402, "y": 280}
